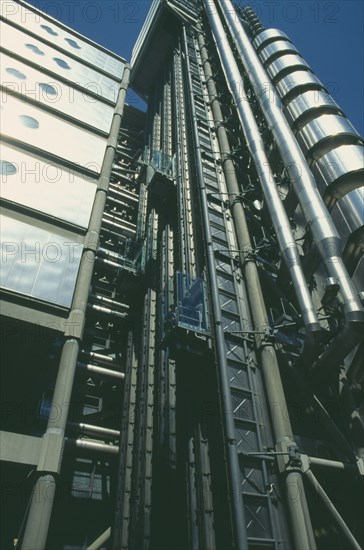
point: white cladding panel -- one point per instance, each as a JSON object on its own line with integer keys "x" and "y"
{"x": 52, "y": 92}
{"x": 27, "y": 124}
{"x": 67, "y": 41}
{"x": 38, "y": 263}
{"x": 46, "y": 187}
{"x": 46, "y": 57}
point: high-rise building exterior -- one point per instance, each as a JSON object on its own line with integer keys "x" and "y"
{"x": 181, "y": 290}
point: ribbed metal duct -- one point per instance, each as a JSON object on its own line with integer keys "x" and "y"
{"x": 320, "y": 135}
{"x": 285, "y": 65}
{"x": 255, "y": 144}
{"x": 307, "y": 106}
{"x": 327, "y": 138}
{"x": 339, "y": 171}
{"x": 297, "y": 82}
{"x": 268, "y": 36}
{"x": 277, "y": 49}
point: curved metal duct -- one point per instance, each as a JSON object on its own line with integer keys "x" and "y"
{"x": 322, "y": 134}
{"x": 354, "y": 204}
{"x": 326, "y": 137}
{"x": 285, "y": 65}
{"x": 267, "y": 37}
{"x": 306, "y": 106}
{"x": 277, "y": 49}
{"x": 321, "y": 225}
{"x": 348, "y": 216}
{"x": 293, "y": 84}
{"x": 338, "y": 172}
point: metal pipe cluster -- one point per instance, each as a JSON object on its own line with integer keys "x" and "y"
{"x": 318, "y": 219}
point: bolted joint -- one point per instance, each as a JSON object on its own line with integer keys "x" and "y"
{"x": 288, "y": 456}
{"x": 294, "y": 457}
{"x": 51, "y": 452}
{"x": 91, "y": 241}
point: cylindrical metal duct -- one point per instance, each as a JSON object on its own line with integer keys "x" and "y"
{"x": 339, "y": 172}
{"x": 308, "y": 105}
{"x": 285, "y": 237}
{"x": 267, "y": 37}
{"x": 330, "y": 143}
{"x": 285, "y": 65}
{"x": 293, "y": 84}
{"x": 275, "y": 50}
{"x": 322, "y": 134}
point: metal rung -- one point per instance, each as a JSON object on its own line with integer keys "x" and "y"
{"x": 106, "y": 311}
{"x": 101, "y": 371}
{"x": 102, "y": 359}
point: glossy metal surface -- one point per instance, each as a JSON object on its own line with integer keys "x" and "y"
{"x": 46, "y": 187}
{"x": 255, "y": 144}
{"x": 358, "y": 276}
{"x": 298, "y": 80}
{"x": 63, "y": 39}
{"x": 309, "y": 103}
{"x": 268, "y": 36}
{"x": 31, "y": 125}
{"x": 322, "y": 227}
{"x": 341, "y": 169}
{"x": 38, "y": 263}
{"x": 320, "y": 130}
{"x": 145, "y": 29}
{"x": 277, "y": 49}
{"x": 348, "y": 213}
{"x": 54, "y": 93}
{"x": 287, "y": 63}
{"x": 35, "y": 51}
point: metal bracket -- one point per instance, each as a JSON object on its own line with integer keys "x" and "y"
{"x": 294, "y": 456}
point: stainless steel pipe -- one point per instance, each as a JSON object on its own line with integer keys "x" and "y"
{"x": 317, "y": 217}
{"x": 286, "y": 240}
{"x": 299, "y": 515}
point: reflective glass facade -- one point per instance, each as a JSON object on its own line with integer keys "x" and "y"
{"x": 38, "y": 263}
{"x": 57, "y": 105}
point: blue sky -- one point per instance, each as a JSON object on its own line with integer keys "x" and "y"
{"x": 329, "y": 35}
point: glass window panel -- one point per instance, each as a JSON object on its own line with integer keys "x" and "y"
{"x": 61, "y": 63}
{"x": 38, "y": 263}
{"x": 73, "y": 43}
{"x": 16, "y": 73}
{"x": 62, "y": 38}
{"x": 7, "y": 169}
{"x": 49, "y": 30}
{"x": 34, "y": 49}
{"x": 47, "y": 89}
{"x": 14, "y": 40}
{"x": 55, "y": 94}
{"x": 46, "y": 187}
{"x": 28, "y": 124}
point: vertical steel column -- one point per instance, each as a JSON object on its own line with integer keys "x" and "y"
{"x": 302, "y": 529}
{"x": 332, "y": 510}
{"x": 281, "y": 224}
{"x": 237, "y": 510}
{"x": 49, "y": 466}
